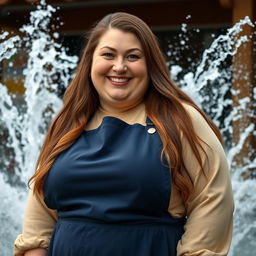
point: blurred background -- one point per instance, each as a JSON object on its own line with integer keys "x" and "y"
{"x": 185, "y": 29}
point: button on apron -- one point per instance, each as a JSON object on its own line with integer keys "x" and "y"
{"x": 151, "y": 130}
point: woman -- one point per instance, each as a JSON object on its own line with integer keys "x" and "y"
{"x": 130, "y": 166}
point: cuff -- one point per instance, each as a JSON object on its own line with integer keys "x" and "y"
{"x": 23, "y": 244}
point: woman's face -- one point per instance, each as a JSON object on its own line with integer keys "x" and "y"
{"x": 119, "y": 72}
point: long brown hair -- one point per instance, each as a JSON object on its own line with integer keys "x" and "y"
{"x": 163, "y": 103}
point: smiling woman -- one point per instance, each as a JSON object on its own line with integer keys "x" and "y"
{"x": 130, "y": 165}
{"x": 119, "y": 71}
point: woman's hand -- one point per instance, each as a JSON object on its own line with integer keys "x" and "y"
{"x": 36, "y": 252}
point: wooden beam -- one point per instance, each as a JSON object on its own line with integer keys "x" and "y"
{"x": 79, "y": 17}
{"x": 243, "y": 81}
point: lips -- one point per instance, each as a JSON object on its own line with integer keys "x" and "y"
{"x": 120, "y": 81}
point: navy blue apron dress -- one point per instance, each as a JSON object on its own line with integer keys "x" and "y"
{"x": 112, "y": 191}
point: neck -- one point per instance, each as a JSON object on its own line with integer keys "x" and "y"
{"x": 131, "y": 115}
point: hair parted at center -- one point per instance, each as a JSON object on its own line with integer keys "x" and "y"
{"x": 163, "y": 100}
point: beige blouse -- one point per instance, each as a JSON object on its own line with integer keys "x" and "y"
{"x": 209, "y": 209}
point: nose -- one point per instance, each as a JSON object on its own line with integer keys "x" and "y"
{"x": 119, "y": 67}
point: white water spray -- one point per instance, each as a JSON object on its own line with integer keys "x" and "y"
{"x": 48, "y": 70}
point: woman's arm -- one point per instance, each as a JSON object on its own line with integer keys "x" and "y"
{"x": 38, "y": 225}
{"x": 210, "y": 206}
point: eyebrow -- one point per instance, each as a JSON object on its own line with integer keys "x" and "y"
{"x": 114, "y": 50}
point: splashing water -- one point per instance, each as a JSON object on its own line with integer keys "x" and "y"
{"x": 48, "y": 70}
{"x": 209, "y": 87}
{"x": 24, "y": 119}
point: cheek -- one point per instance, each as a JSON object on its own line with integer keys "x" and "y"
{"x": 100, "y": 68}
{"x": 140, "y": 71}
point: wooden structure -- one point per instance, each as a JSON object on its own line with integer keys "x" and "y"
{"x": 78, "y": 15}
{"x": 245, "y": 59}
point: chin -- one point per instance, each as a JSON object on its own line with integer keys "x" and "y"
{"x": 119, "y": 97}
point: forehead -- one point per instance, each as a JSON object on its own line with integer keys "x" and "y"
{"x": 118, "y": 39}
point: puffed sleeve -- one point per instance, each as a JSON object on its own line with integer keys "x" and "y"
{"x": 38, "y": 225}
{"x": 210, "y": 206}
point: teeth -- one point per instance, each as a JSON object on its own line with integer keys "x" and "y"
{"x": 118, "y": 80}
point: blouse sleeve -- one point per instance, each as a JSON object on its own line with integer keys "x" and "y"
{"x": 38, "y": 225}
{"x": 210, "y": 206}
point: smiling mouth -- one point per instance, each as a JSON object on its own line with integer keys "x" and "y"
{"x": 119, "y": 80}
